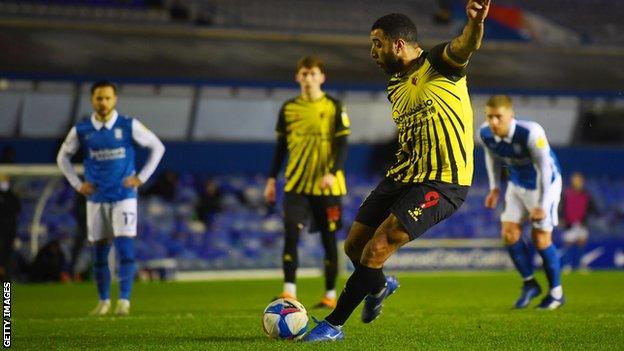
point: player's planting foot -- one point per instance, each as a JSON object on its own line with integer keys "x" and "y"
{"x": 549, "y": 303}
{"x": 123, "y": 307}
{"x": 323, "y": 331}
{"x": 102, "y": 308}
{"x": 374, "y": 303}
{"x": 530, "y": 290}
{"x": 326, "y": 302}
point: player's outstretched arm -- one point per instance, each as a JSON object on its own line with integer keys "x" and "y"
{"x": 460, "y": 49}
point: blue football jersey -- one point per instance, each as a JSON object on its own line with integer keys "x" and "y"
{"x": 515, "y": 151}
{"x": 109, "y": 157}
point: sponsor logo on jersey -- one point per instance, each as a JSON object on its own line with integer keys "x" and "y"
{"x": 108, "y": 154}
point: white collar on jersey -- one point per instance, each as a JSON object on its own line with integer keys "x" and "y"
{"x": 109, "y": 124}
{"x": 510, "y": 134}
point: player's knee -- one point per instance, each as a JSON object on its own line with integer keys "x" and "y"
{"x": 376, "y": 253}
{"x": 352, "y": 250}
{"x": 388, "y": 239}
{"x": 396, "y": 233}
{"x": 510, "y": 234}
{"x": 541, "y": 239}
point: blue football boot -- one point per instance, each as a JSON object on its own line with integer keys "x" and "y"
{"x": 323, "y": 331}
{"x": 530, "y": 290}
{"x": 373, "y": 304}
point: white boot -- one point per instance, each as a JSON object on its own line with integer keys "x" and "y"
{"x": 123, "y": 307}
{"x": 102, "y": 308}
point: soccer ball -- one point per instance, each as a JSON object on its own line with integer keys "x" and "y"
{"x": 285, "y": 319}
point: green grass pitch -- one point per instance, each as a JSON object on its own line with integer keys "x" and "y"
{"x": 441, "y": 311}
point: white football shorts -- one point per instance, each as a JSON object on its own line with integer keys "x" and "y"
{"x": 520, "y": 201}
{"x": 106, "y": 220}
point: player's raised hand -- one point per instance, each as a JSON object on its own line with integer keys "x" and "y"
{"x": 269, "y": 191}
{"x": 87, "y": 189}
{"x": 327, "y": 181}
{"x": 132, "y": 182}
{"x": 477, "y": 10}
{"x": 492, "y": 198}
{"x": 537, "y": 214}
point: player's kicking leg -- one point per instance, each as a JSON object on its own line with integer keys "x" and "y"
{"x": 357, "y": 240}
{"x": 414, "y": 209}
{"x": 358, "y": 237}
{"x": 368, "y": 278}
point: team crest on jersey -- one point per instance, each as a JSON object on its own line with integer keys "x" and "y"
{"x": 118, "y": 133}
{"x": 517, "y": 148}
{"x": 414, "y": 80}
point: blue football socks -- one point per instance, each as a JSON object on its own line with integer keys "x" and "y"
{"x": 125, "y": 249}
{"x": 101, "y": 270}
{"x": 521, "y": 257}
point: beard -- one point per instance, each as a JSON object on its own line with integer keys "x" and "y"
{"x": 391, "y": 65}
{"x": 103, "y": 112}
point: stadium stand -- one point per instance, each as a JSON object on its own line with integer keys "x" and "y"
{"x": 246, "y": 235}
{"x": 342, "y": 16}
